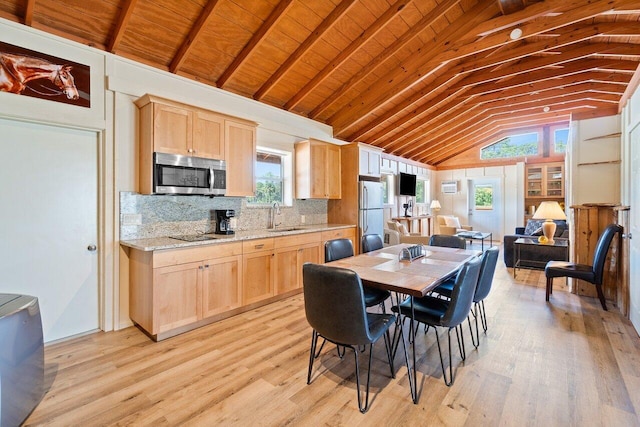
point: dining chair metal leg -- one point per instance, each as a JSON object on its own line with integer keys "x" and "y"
{"x": 387, "y": 346}
{"x": 483, "y": 315}
{"x": 444, "y": 371}
{"x": 364, "y": 408}
{"x": 460, "y": 339}
{"x": 312, "y": 353}
{"x": 475, "y": 340}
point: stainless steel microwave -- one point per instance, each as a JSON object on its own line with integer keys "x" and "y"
{"x": 175, "y": 174}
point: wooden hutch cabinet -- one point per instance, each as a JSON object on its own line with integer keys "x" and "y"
{"x": 543, "y": 181}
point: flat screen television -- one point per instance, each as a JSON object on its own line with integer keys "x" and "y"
{"x": 407, "y": 184}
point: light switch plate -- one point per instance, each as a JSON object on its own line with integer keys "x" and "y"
{"x": 131, "y": 219}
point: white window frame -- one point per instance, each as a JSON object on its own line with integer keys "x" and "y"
{"x": 287, "y": 175}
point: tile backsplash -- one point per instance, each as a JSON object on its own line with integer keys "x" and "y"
{"x": 174, "y": 215}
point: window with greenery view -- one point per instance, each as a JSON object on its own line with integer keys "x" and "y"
{"x": 269, "y": 179}
{"x": 387, "y": 189}
{"x": 421, "y": 195}
{"x": 483, "y": 197}
{"x": 513, "y": 146}
{"x": 560, "y": 139}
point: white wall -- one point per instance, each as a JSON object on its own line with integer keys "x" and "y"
{"x": 512, "y": 187}
{"x": 594, "y": 161}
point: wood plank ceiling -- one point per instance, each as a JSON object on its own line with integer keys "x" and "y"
{"x": 423, "y": 79}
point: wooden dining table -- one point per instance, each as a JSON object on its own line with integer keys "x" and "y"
{"x": 384, "y": 269}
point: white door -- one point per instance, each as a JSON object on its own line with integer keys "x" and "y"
{"x": 485, "y": 206}
{"x": 48, "y": 220}
{"x": 634, "y": 220}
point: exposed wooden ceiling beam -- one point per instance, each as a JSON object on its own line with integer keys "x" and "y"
{"x": 347, "y": 52}
{"x": 370, "y": 101}
{"x": 508, "y": 7}
{"x": 393, "y": 84}
{"x": 484, "y": 121}
{"x": 324, "y": 26}
{"x": 387, "y": 53}
{"x": 262, "y": 32}
{"x": 28, "y": 12}
{"x": 521, "y": 106}
{"x": 121, "y": 25}
{"x": 194, "y": 33}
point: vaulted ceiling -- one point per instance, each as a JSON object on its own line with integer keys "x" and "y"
{"x": 423, "y": 79}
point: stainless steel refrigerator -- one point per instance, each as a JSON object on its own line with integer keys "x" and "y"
{"x": 370, "y": 216}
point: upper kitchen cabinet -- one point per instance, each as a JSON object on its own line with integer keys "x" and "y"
{"x": 318, "y": 169}
{"x": 369, "y": 160}
{"x": 240, "y": 146}
{"x": 174, "y": 128}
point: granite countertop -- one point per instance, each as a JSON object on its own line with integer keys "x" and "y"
{"x": 158, "y": 243}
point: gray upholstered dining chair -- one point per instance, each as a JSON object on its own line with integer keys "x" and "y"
{"x": 371, "y": 242}
{"x": 335, "y": 309}
{"x": 483, "y": 287}
{"x": 589, "y": 273}
{"x": 342, "y": 248}
{"x": 447, "y": 241}
{"x": 450, "y": 313}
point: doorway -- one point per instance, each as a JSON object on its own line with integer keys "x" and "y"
{"x": 485, "y": 206}
{"x": 48, "y": 223}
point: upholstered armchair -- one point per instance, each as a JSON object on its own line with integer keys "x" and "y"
{"x": 396, "y": 233}
{"x": 449, "y": 224}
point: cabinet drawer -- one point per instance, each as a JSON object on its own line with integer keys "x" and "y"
{"x": 298, "y": 240}
{"x": 348, "y": 233}
{"x": 181, "y": 256}
{"x": 251, "y": 246}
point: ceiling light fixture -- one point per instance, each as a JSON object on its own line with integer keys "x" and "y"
{"x": 516, "y": 33}
{"x": 546, "y": 109}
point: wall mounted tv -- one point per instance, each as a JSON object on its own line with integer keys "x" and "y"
{"x": 407, "y": 184}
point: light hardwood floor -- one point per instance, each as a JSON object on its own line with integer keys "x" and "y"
{"x": 566, "y": 362}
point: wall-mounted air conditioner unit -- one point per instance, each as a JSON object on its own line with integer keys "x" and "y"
{"x": 449, "y": 187}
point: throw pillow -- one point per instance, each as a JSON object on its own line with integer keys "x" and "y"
{"x": 402, "y": 229}
{"x": 560, "y": 227}
{"x": 452, "y": 221}
{"x": 532, "y": 225}
{"x": 537, "y": 232}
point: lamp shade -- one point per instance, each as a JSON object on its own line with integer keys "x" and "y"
{"x": 549, "y": 210}
{"x": 435, "y": 205}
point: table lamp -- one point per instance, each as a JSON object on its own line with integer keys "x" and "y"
{"x": 549, "y": 211}
{"x": 435, "y": 205}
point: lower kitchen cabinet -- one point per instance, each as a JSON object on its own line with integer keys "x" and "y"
{"x": 291, "y": 253}
{"x": 258, "y": 277}
{"x": 221, "y": 285}
{"x": 176, "y": 296}
{"x": 175, "y": 290}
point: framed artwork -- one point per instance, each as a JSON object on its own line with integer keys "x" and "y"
{"x": 30, "y": 73}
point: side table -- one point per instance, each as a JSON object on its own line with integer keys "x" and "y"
{"x": 519, "y": 243}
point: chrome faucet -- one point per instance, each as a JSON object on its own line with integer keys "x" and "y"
{"x": 275, "y": 210}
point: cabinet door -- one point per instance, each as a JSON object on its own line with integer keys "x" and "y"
{"x": 554, "y": 181}
{"x": 208, "y": 135}
{"x": 312, "y": 252}
{"x": 240, "y": 153}
{"x": 369, "y": 162}
{"x": 318, "y": 170}
{"x": 176, "y": 296}
{"x": 221, "y": 285}
{"x": 172, "y": 129}
{"x": 333, "y": 168}
{"x": 286, "y": 265}
{"x": 534, "y": 181}
{"x": 257, "y": 277}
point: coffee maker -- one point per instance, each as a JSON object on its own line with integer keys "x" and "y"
{"x": 223, "y": 221}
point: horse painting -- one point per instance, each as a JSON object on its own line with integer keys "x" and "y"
{"x": 17, "y": 70}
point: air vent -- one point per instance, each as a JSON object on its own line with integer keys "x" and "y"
{"x": 449, "y": 187}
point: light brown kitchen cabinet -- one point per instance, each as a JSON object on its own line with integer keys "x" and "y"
{"x": 258, "y": 271}
{"x": 240, "y": 147}
{"x": 221, "y": 285}
{"x": 341, "y": 233}
{"x": 291, "y": 252}
{"x": 176, "y": 296}
{"x": 174, "y": 290}
{"x": 545, "y": 180}
{"x": 318, "y": 170}
{"x": 174, "y": 128}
